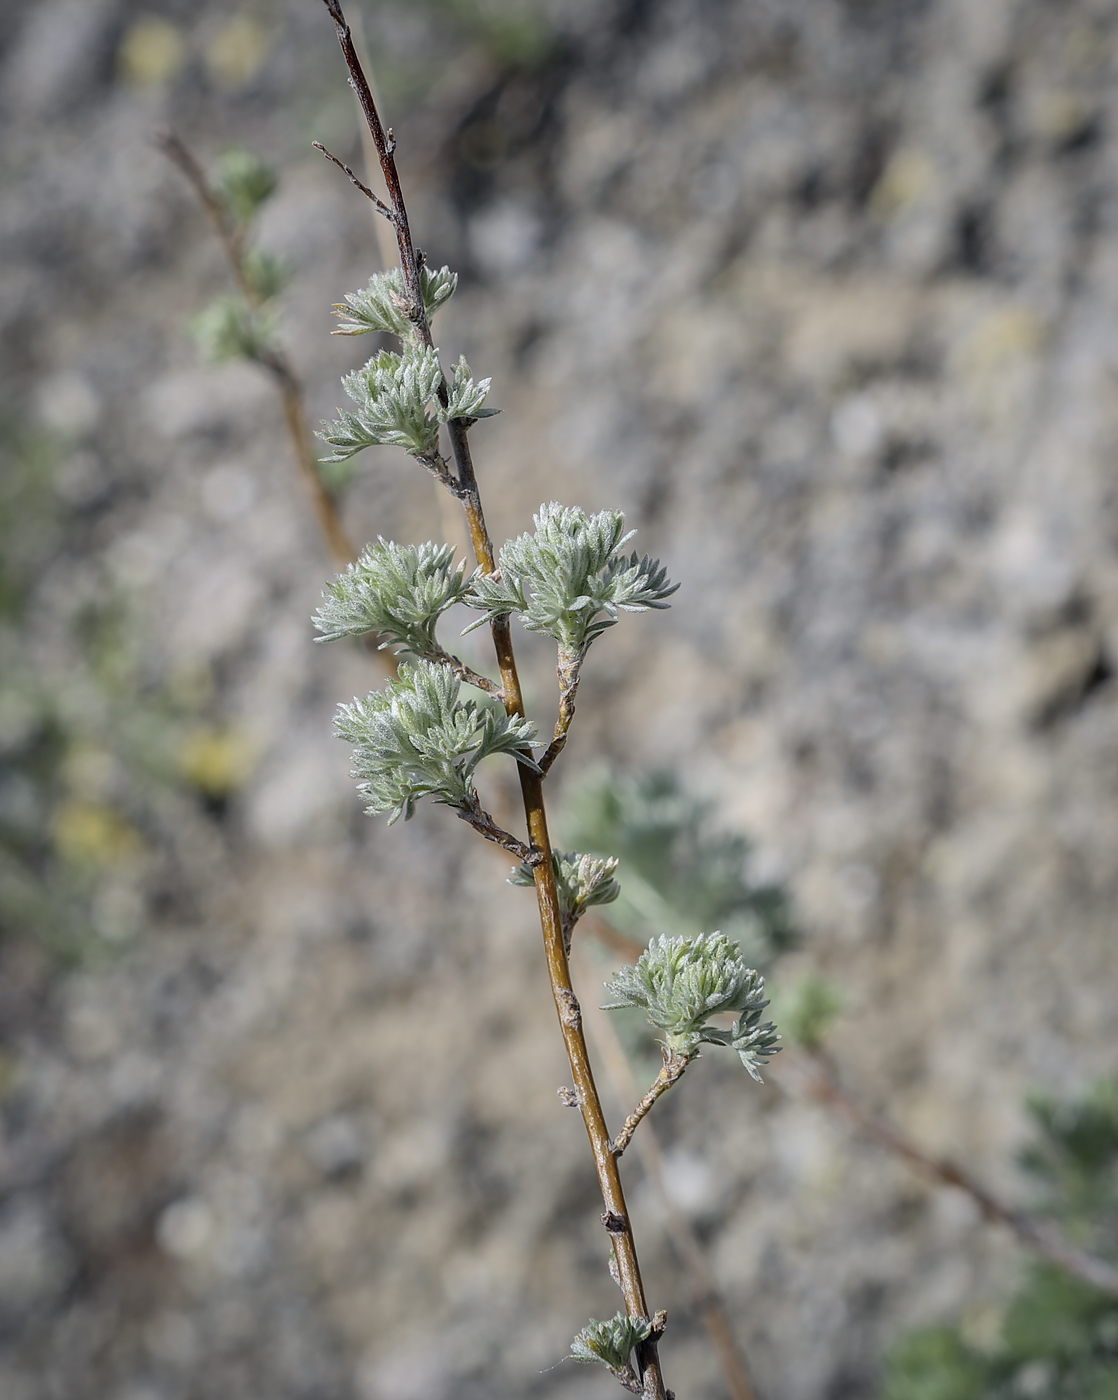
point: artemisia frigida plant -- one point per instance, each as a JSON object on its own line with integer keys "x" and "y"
{"x": 425, "y": 733}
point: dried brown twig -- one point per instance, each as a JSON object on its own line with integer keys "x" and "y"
{"x": 821, "y": 1082}
{"x": 615, "y": 1215}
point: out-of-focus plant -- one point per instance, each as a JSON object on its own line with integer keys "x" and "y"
{"x": 95, "y": 756}
{"x": 245, "y": 324}
{"x": 1057, "y": 1338}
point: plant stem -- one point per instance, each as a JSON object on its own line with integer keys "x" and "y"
{"x": 670, "y": 1073}
{"x": 570, "y": 673}
{"x": 1038, "y": 1235}
{"x": 705, "y": 1295}
{"x": 274, "y": 361}
{"x": 615, "y": 1216}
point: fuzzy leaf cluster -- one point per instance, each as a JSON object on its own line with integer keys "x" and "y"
{"x": 419, "y": 738}
{"x": 561, "y": 579}
{"x": 682, "y": 982}
{"x": 243, "y": 182}
{"x": 267, "y": 275}
{"x": 382, "y": 305}
{"x": 683, "y": 871}
{"x": 582, "y": 881}
{"x": 464, "y": 396}
{"x": 610, "y": 1343}
{"x": 398, "y": 590}
{"x": 393, "y": 395}
{"x": 228, "y": 329}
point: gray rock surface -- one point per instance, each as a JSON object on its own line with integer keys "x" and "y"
{"x": 823, "y": 294}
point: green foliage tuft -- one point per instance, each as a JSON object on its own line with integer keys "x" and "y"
{"x": 398, "y": 590}
{"x": 267, "y": 275}
{"x": 934, "y": 1364}
{"x": 393, "y": 394}
{"x": 1058, "y": 1338}
{"x": 243, "y": 183}
{"x": 464, "y": 397}
{"x": 561, "y": 579}
{"x": 610, "y": 1343}
{"x": 583, "y": 881}
{"x": 682, "y": 982}
{"x": 227, "y": 329}
{"x": 807, "y": 1010}
{"x": 682, "y": 873}
{"x": 382, "y": 305}
{"x": 419, "y": 738}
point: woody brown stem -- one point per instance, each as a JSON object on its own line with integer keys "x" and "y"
{"x": 670, "y": 1073}
{"x": 569, "y": 670}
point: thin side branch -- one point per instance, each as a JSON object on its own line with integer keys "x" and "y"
{"x": 1040, "y": 1236}
{"x": 706, "y": 1297}
{"x": 274, "y": 361}
{"x": 465, "y": 673}
{"x": 381, "y": 207}
{"x": 436, "y": 464}
{"x": 485, "y": 826}
{"x": 670, "y": 1073}
{"x": 569, "y": 670}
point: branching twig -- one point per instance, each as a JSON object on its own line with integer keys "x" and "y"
{"x": 379, "y": 203}
{"x": 670, "y": 1073}
{"x": 485, "y": 826}
{"x": 531, "y": 782}
{"x": 465, "y": 673}
{"x": 570, "y": 673}
{"x": 274, "y": 361}
{"x": 706, "y": 1297}
{"x": 1040, "y": 1236}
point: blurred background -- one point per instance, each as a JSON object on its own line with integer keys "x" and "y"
{"x": 822, "y": 293}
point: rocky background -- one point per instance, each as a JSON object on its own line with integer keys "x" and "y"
{"x": 823, "y": 295}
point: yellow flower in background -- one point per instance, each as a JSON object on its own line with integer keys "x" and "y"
{"x": 93, "y": 834}
{"x": 151, "y": 52}
{"x": 216, "y": 761}
{"x": 237, "y": 51}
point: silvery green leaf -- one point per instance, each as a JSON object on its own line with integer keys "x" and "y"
{"x": 267, "y": 275}
{"x": 464, "y": 397}
{"x": 382, "y": 305}
{"x": 419, "y": 738}
{"x": 610, "y": 1343}
{"x": 230, "y": 329}
{"x": 582, "y": 881}
{"x": 681, "y": 982}
{"x": 561, "y": 579}
{"x": 393, "y": 394}
{"x": 398, "y": 590}
{"x": 243, "y": 182}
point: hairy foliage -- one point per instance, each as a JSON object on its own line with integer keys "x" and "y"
{"x": 230, "y": 329}
{"x": 682, "y": 872}
{"x": 561, "y": 579}
{"x": 682, "y": 982}
{"x": 393, "y": 395}
{"x": 398, "y": 590}
{"x": 583, "y": 881}
{"x": 383, "y": 304}
{"x": 419, "y": 738}
{"x": 610, "y": 1343}
{"x": 244, "y": 182}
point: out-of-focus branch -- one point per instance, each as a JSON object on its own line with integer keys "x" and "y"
{"x": 821, "y": 1083}
{"x": 273, "y": 360}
